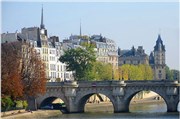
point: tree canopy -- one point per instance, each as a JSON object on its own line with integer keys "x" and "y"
{"x": 172, "y": 74}
{"x": 100, "y": 71}
{"x": 10, "y": 75}
{"x": 135, "y": 72}
{"x": 32, "y": 72}
{"x": 22, "y": 71}
{"x": 79, "y": 60}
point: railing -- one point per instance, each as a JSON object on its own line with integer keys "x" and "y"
{"x": 112, "y": 83}
{"x": 50, "y": 84}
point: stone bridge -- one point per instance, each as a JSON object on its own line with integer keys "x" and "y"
{"x": 75, "y": 94}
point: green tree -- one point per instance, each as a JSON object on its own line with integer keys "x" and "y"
{"x": 79, "y": 60}
{"x": 147, "y": 72}
{"x": 175, "y": 74}
{"x": 6, "y": 103}
{"x": 135, "y": 72}
{"x": 169, "y": 74}
{"x": 125, "y": 71}
{"x": 25, "y": 104}
{"x": 102, "y": 71}
{"x": 19, "y": 104}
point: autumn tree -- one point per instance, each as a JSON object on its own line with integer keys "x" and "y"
{"x": 11, "y": 83}
{"x": 32, "y": 72}
{"x": 23, "y": 72}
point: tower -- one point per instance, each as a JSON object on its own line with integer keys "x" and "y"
{"x": 42, "y": 25}
{"x": 43, "y": 32}
{"x": 159, "y": 59}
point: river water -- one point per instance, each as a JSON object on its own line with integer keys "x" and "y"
{"x": 150, "y": 110}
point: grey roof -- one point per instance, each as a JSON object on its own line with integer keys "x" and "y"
{"x": 8, "y": 37}
{"x": 132, "y": 52}
{"x": 21, "y": 36}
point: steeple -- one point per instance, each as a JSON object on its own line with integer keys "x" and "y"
{"x": 159, "y": 44}
{"x": 80, "y": 29}
{"x": 42, "y": 25}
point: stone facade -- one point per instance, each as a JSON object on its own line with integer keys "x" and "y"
{"x": 133, "y": 56}
{"x": 106, "y": 50}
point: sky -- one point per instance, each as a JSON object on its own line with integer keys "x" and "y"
{"x": 127, "y": 23}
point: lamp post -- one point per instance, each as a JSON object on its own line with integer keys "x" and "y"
{"x": 112, "y": 74}
{"x": 122, "y": 75}
{"x": 119, "y": 73}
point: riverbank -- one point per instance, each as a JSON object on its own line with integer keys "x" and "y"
{"x": 33, "y": 114}
{"x": 89, "y": 107}
{"x": 145, "y": 101}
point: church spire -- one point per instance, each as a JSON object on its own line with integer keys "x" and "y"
{"x": 42, "y": 25}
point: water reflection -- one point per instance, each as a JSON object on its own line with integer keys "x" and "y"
{"x": 148, "y": 107}
{"x": 150, "y": 110}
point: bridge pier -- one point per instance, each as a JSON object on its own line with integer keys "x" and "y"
{"x": 172, "y": 98}
{"x": 70, "y": 93}
{"x": 120, "y": 105}
{"x": 72, "y": 106}
{"x": 171, "y": 106}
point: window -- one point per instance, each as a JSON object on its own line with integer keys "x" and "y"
{"x": 58, "y": 68}
{"x": 52, "y": 51}
{"x": 61, "y": 68}
{"x": 160, "y": 76}
{"x": 61, "y": 75}
{"x": 52, "y": 67}
{"x": 159, "y": 71}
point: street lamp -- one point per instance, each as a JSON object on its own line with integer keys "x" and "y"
{"x": 112, "y": 74}
{"x": 122, "y": 76}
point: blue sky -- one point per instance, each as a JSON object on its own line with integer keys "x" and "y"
{"x": 128, "y": 24}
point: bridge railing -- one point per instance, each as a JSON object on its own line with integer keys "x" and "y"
{"x": 111, "y": 83}
{"x": 50, "y": 84}
{"x": 151, "y": 81}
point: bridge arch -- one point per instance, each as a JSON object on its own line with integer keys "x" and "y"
{"x": 49, "y": 102}
{"x": 83, "y": 100}
{"x": 50, "y": 95}
{"x": 132, "y": 94}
